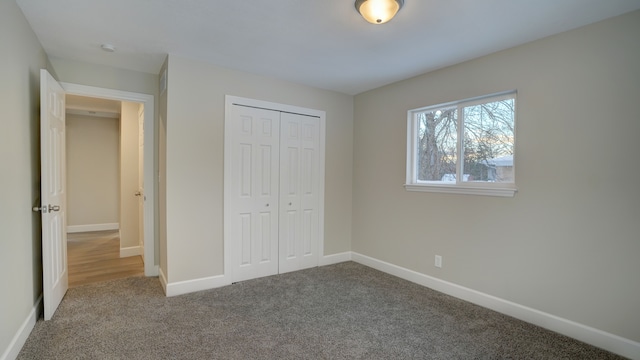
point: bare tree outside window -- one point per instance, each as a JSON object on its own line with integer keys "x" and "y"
{"x": 437, "y": 143}
{"x": 488, "y": 135}
{"x": 485, "y": 142}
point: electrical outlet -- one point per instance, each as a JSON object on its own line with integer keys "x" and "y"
{"x": 438, "y": 261}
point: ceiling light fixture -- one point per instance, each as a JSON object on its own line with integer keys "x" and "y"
{"x": 108, "y": 47}
{"x": 378, "y": 11}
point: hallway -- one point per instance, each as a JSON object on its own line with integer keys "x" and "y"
{"x": 95, "y": 257}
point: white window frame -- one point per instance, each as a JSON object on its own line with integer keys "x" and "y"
{"x": 459, "y": 187}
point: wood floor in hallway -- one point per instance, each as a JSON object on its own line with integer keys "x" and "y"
{"x": 95, "y": 257}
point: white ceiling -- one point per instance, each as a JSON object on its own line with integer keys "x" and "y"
{"x": 320, "y": 43}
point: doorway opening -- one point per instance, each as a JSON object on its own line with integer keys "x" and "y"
{"x": 138, "y": 188}
{"x": 104, "y": 172}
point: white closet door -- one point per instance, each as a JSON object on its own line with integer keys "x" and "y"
{"x": 253, "y": 187}
{"x": 299, "y": 186}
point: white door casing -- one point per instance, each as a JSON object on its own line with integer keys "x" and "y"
{"x": 55, "y": 279}
{"x": 299, "y": 158}
{"x": 253, "y": 187}
{"x": 301, "y": 143}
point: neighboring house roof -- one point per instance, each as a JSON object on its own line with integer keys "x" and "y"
{"x": 506, "y": 160}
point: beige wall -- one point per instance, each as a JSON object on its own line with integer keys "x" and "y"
{"x": 76, "y": 72}
{"x": 568, "y": 242}
{"x": 128, "y": 161}
{"x": 20, "y": 248}
{"x": 93, "y": 172}
{"x": 194, "y": 160}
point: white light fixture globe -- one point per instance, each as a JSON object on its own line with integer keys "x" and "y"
{"x": 378, "y": 11}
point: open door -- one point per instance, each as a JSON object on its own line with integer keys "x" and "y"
{"x": 53, "y": 193}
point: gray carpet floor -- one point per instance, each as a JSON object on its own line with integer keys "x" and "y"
{"x": 342, "y": 311}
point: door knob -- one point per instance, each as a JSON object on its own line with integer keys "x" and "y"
{"x": 137, "y": 193}
{"x": 46, "y": 209}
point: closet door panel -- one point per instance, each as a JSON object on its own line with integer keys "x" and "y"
{"x": 299, "y": 143}
{"x": 272, "y": 192}
{"x": 253, "y": 183}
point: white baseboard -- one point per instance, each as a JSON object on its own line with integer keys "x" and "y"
{"x": 131, "y": 251}
{"x": 21, "y": 336}
{"x": 92, "y": 227}
{"x": 189, "y": 286}
{"x": 335, "y": 258}
{"x": 604, "y": 340}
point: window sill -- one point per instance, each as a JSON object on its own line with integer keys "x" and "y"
{"x": 462, "y": 189}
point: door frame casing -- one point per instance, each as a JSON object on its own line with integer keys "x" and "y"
{"x": 231, "y": 100}
{"x": 150, "y": 267}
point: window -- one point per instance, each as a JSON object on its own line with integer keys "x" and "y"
{"x": 464, "y": 147}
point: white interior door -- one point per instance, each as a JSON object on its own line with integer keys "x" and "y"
{"x": 299, "y": 165}
{"x": 251, "y": 188}
{"x": 53, "y": 193}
